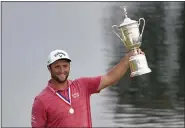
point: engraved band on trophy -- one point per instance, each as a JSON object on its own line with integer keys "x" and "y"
{"x": 131, "y": 38}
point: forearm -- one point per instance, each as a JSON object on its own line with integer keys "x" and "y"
{"x": 115, "y": 73}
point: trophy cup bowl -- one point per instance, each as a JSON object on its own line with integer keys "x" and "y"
{"x": 130, "y": 36}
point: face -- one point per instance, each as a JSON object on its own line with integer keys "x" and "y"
{"x": 60, "y": 70}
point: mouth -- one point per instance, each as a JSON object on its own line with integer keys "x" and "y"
{"x": 62, "y": 75}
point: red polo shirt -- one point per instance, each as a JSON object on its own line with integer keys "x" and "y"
{"x": 49, "y": 110}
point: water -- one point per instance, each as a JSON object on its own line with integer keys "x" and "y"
{"x": 149, "y": 100}
{"x": 123, "y": 114}
{"x": 32, "y": 29}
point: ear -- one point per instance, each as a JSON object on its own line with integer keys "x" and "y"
{"x": 49, "y": 68}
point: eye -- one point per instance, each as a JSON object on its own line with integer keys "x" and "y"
{"x": 65, "y": 66}
{"x": 57, "y": 66}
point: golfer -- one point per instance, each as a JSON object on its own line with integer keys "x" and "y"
{"x": 66, "y": 103}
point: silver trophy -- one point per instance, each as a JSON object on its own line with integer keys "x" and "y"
{"x": 131, "y": 37}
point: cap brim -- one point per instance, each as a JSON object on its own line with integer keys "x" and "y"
{"x": 69, "y": 60}
{"x": 65, "y": 59}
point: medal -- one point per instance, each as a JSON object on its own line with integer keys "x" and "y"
{"x": 68, "y": 101}
{"x": 71, "y": 110}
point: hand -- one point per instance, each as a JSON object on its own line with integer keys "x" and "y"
{"x": 139, "y": 51}
{"x": 135, "y": 52}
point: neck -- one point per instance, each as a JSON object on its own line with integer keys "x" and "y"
{"x": 59, "y": 86}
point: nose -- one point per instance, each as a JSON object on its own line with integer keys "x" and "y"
{"x": 62, "y": 70}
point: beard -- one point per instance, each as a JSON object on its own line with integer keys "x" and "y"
{"x": 59, "y": 79}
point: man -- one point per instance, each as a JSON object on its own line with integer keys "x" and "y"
{"x": 66, "y": 103}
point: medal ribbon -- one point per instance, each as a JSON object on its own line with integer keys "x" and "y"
{"x": 62, "y": 97}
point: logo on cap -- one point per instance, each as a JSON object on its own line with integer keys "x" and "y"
{"x": 60, "y": 54}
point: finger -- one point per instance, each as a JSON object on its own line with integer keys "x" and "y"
{"x": 139, "y": 50}
{"x": 142, "y": 53}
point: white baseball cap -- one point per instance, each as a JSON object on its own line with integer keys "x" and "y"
{"x": 57, "y": 55}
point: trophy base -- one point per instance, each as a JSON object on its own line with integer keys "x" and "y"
{"x": 138, "y": 65}
{"x": 140, "y": 72}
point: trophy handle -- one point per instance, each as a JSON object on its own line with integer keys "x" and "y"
{"x": 113, "y": 27}
{"x": 143, "y": 25}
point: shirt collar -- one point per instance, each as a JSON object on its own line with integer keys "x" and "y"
{"x": 55, "y": 89}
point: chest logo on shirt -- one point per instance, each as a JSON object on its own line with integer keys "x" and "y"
{"x": 75, "y": 95}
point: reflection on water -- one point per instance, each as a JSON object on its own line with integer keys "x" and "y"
{"x": 154, "y": 99}
{"x": 138, "y": 114}
{"x": 140, "y": 117}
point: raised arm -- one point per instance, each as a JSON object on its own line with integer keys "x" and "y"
{"x": 115, "y": 73}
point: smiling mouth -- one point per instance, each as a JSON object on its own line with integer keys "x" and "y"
{"x": 61, "y": 74}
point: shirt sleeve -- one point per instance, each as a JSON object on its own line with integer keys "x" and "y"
{"x": 91, "y": 84}
{"x": 38, "y": 118}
